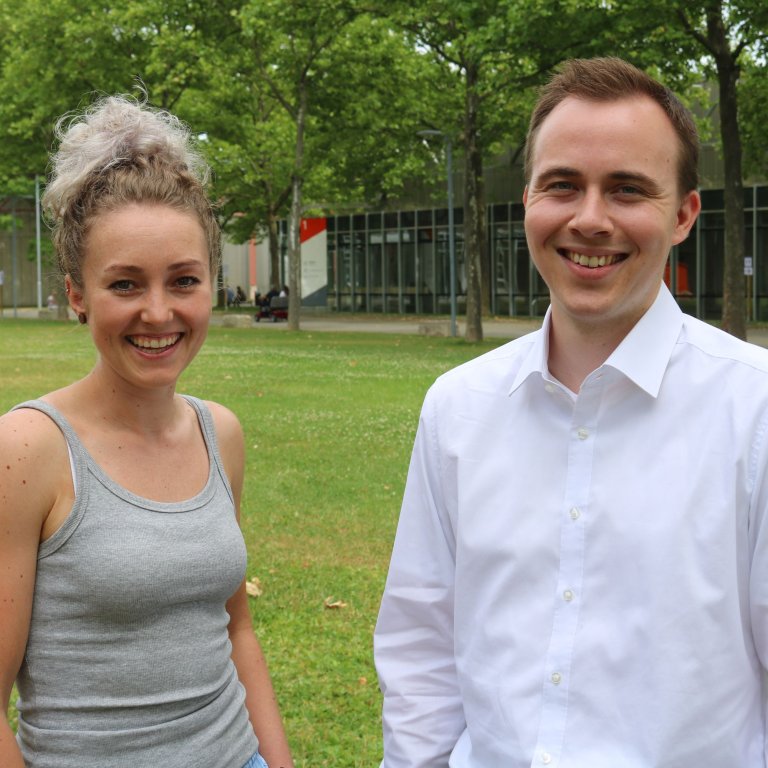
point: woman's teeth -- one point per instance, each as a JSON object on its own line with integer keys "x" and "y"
{"x": 145, "y": 342}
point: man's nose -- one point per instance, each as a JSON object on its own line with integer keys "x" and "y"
{"x": 592, "y": 215}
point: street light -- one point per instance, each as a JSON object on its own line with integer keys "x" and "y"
{"x": 451, "y": 235}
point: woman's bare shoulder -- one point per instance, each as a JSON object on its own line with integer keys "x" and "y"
{"x": 226, "y": 422}
{"x": 26, "y": 427}
{"x": 229, "y": 435}
{"x": 33, "y": 459}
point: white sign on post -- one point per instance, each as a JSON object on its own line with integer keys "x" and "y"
{"x": 748, "y": 266}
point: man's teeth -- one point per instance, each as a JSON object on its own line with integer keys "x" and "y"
{"x": 154, "y": 343}
{"x": 592, "y": 261}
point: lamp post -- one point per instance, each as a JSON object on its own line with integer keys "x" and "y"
{"x": 451, "y": 234}
{"x": 38, "y": 251}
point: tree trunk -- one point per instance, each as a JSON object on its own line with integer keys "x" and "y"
{"x": 734, "y": 317}
{"x": 274, "y": 251}
{"x": 474, "y": 209}
{"x": 294, "y": 222}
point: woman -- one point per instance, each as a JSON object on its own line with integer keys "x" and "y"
{"x": 123, "y": 612}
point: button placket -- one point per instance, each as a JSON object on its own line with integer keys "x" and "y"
{"x": 566, "y": 607}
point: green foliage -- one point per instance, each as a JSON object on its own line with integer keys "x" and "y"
{"x": 47, "y": 252}
{"x": 714, "y": 40}
{"x": 329, "y": 422}
{"x": 332, "y": 93}
{"x": 381, "y": 91}
{"x": 54, "y": 54}
{"x": 8, "y": 221}
{"x": 57, "y": 56}
{"x": 753, "y": 119}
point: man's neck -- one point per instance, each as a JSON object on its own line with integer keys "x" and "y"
{"x": 576, "y": 351}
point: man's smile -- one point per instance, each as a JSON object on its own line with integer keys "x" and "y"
{"x": 592, "y": 261}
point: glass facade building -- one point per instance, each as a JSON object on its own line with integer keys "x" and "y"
{"x": 398, "y": 261}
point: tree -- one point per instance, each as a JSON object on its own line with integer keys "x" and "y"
{"x": 99, "y": 50}
{"x": 290, "y": 44}
{"x": 344, "y": 79}
{"x": 247, "y": 139}
{"x": 715, "y": 40}
{"x": 153, "y": 45}
{"x": 495, "y": 51}
{"x": 753, "y": 117}
{"x": 31, "y": 97}
{"x": 726, "y": 31}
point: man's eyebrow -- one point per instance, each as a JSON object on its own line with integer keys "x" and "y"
{"x": 632, "y": 177}
{"x": 560, "y": 172}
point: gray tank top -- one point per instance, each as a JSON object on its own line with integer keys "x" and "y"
{"x": 128, "y": 660}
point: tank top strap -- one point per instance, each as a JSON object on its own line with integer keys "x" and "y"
{"x": 78, "y": 458}
{"x": 208, "y": 429}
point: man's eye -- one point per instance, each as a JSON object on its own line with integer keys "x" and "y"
{"x": 560, "y": 186}
{"x": 628, "y": 189}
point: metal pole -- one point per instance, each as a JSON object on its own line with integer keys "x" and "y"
{"x": 451, "y": 233}
{"x": 37, "y": 245}
{"x": 14, "y": 257}
{"x": 755, "y": 260}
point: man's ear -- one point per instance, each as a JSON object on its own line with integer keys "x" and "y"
{"x": 525, "y": 195}
{"x": 687, "y": 213}
{"x": 74, "y": 295}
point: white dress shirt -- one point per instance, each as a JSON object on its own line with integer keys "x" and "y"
{"x": 582, "y": 581}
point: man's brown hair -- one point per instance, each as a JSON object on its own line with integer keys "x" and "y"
{"x": 610, "y": 79}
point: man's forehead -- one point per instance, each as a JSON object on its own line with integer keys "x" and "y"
{"x": 637, "y": 108}
{"x": 634, "y": 124}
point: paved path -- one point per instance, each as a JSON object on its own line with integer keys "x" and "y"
{"x": 492, "y": 328}
{"x": 496, "y": 327}
{"x": 501, "y": 328}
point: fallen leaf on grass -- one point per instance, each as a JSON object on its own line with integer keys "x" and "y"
{"x": 253, "y": 587}
{"x": 329, "y": 602}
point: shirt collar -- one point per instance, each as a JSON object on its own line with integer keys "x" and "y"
{"x": 642, "y": 356}
{"x": 536, "y": 359}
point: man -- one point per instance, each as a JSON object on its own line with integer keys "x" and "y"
{"x": 580, "y": 574}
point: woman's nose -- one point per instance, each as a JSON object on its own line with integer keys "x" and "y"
{"x": 157, "y": 308}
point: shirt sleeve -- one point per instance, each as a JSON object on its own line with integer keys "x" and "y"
{"x": 758, "y": 583}
{"x": 413, "y": 642}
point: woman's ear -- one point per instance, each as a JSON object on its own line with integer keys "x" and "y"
{"x": 74, "y": 295}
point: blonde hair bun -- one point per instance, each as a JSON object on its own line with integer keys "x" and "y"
{"x": 116, "y": 131}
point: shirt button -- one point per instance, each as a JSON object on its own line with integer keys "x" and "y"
{"x": 583, "y": 433}
{"x": 549, "y": 388}
{"x": 546, "y": 758}
{"x": 575, "y": 513}
{"x": 556, "y": 678}
{"x": 568, "y": 595}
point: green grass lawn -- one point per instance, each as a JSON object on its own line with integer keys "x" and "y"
{"x": 329, "y": 420}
